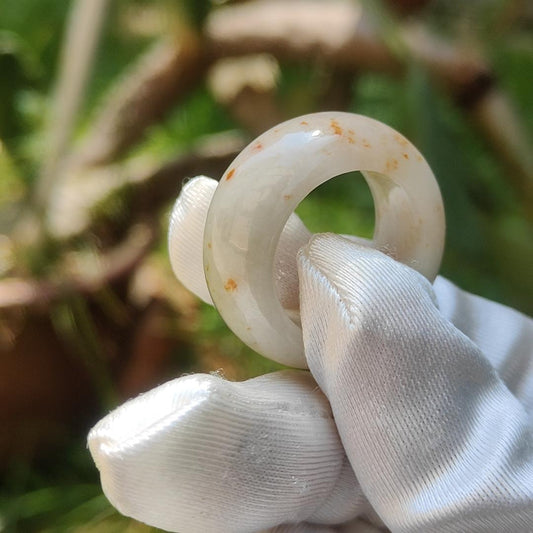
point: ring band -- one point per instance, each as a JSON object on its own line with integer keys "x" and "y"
{"x": 267, "y": 181}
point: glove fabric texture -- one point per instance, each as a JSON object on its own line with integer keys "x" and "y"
{"x": 416, "y": 415}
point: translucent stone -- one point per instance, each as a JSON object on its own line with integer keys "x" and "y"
{"x": 266, "y": 182}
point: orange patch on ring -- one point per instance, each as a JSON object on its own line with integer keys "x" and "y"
{"x": 230, "y": 285}
{"x": 366, "y": 144}
{"x": 392, "y": 164}
{"x": 287, "y": 196}
{"x": 230, "y": 174}
{"x": 304, "y": 123}
{"x": 401, "y": 139}
{"x": 257, "y": 147}
{"x": 406, "y": 156}
{"x": 337, "y": 130}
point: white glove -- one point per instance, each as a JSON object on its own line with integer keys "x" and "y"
{"x": 430, "y": 389}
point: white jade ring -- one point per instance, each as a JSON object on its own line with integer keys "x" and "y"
{"x": 271, "y": 176}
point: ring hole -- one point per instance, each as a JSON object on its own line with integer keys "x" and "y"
{"x": 343, "y": 205}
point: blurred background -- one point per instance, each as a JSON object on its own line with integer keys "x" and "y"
{"x": 106, "y": 106}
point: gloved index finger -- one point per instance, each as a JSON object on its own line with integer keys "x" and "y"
{"x": 435, "y": 438}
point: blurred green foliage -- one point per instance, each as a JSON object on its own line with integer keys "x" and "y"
{"x": 489, "y": 245}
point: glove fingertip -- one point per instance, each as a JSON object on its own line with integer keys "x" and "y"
{"x": 186, "y": 234}
{"x": 358, "y": 273}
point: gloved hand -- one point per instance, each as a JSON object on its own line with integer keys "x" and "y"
{"x": 416, "y": 414}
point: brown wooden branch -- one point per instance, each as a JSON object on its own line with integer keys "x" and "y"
{"x": 74, "y": 211}
{"x": 495, "y": 115}
{"x": 247, "y": 87}
{"x": 157, "y": 189}
{"x": 150, "y": 191}
{"x": 339, "y": 34}
{"x": 78, "y": 49}
{"x": 334, "y": 32}
{"x": 115, "y": 264}
{"x": 158, "y": 81}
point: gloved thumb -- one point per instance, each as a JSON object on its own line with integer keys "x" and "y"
{"x": 200, "y": 453}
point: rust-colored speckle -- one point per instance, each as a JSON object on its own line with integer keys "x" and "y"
{"x": 230, "y": 174}
{"x": 406, "y": 156}
{"x": 248, "y": 328}
{"x": 392, "y": 164}
{"x": 419, "y": 157}
{"x": 209, "y": 245}
{"x": 304, "y": 123}
{"x": 257, "y": 147}
{"x": 366, "y": 144}
{"x": 400, "y": 139}
{"x": 230, "y": 285}
{"x": 287, "y": 196}
{"x": 337, "y": 130}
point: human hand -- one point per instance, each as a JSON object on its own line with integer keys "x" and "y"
{"x": 430, "y": 388}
